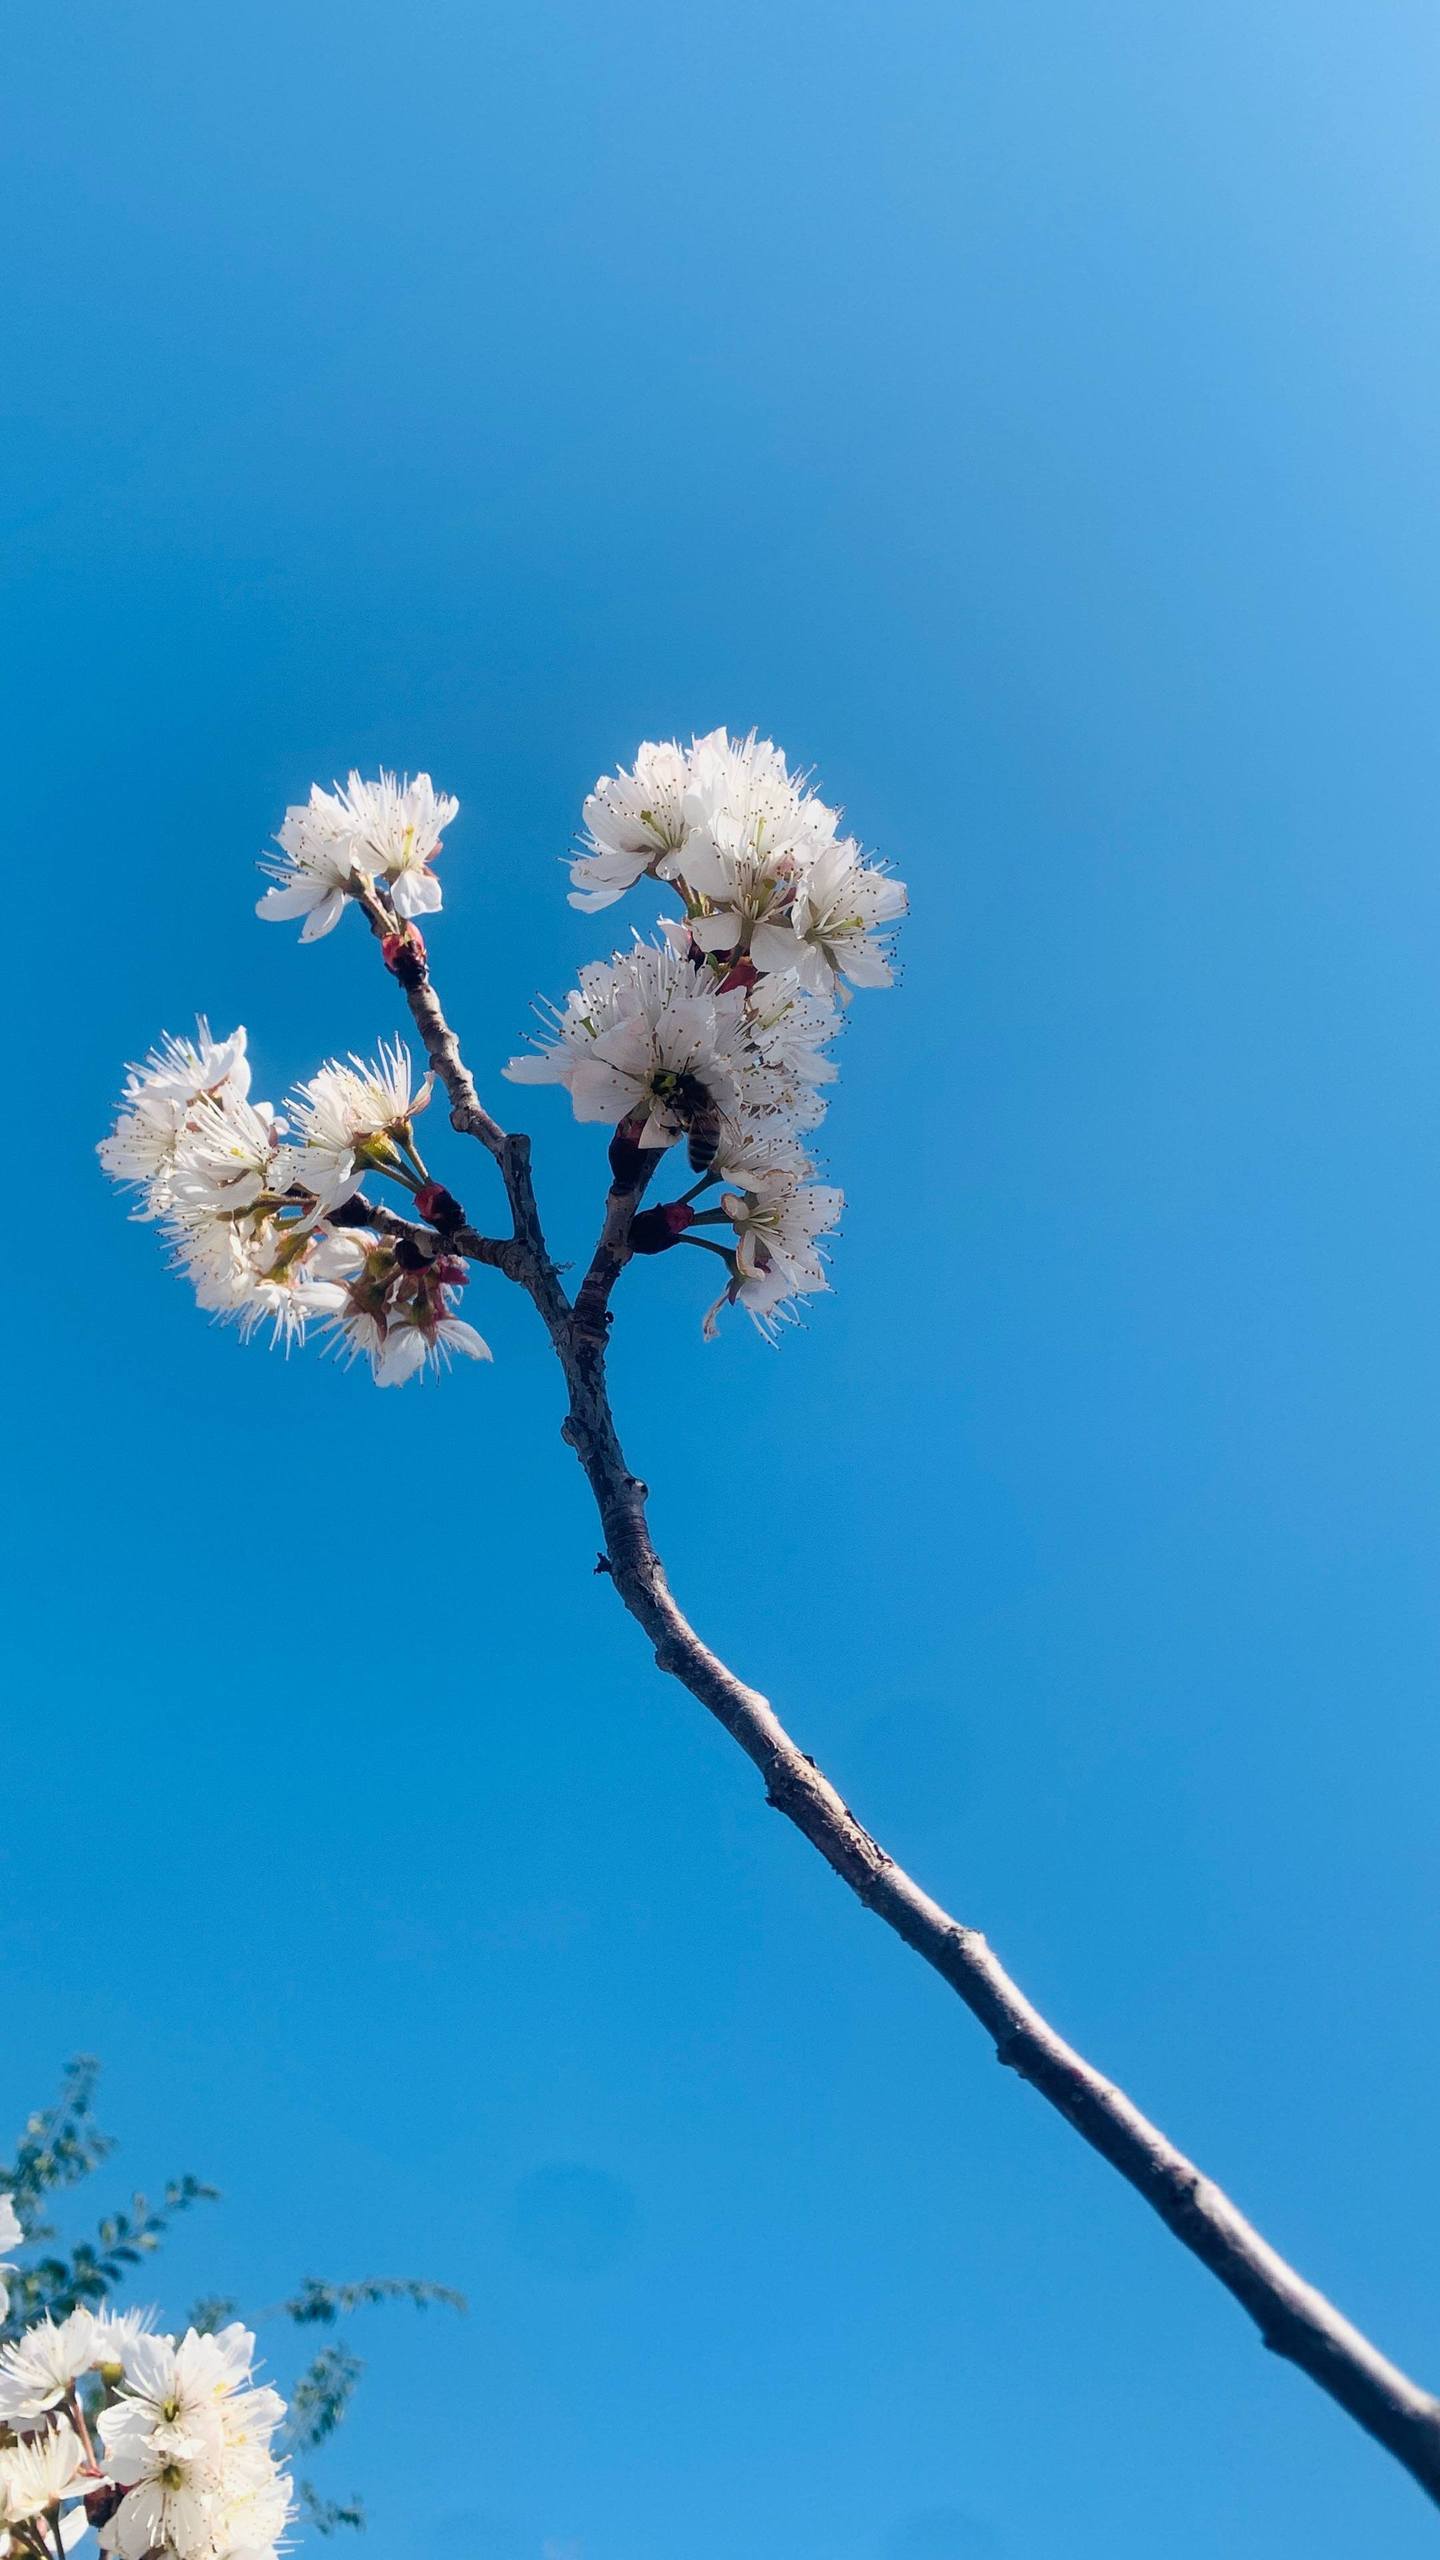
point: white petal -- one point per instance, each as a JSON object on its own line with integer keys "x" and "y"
{"x": 601, "y": 1092}
{"x": 402, "y": 1353}
{"x": 865, "y": 965}
{"x": 415, "y": 893}
{"x": 718, "y": 932}
{"x": 773, "y": 947}
{"x": 544, "y": 1068}
{"x": 460, "y": 1336}
{"x": 295, "y": 898}
{"x": 326, "y": 916}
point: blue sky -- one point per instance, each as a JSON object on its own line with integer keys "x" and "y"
{"x": 1029, "y": 417}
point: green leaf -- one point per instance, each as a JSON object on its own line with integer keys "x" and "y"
{"x": 327, "y": 2513}
{"x": 59, "y": 2145}
{"x": 320, "y": 2304}
{"x": 321, "y": 2397}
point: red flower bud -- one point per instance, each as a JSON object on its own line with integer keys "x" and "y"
{"x": 404, "y": 955}
{"x": 450, "y": 1270}
{"x": 440, "y": 1207}
{"x": 655, "y": 1230}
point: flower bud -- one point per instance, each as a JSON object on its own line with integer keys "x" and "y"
{"x": 404, "y": 955}
{"x": 409, "y": 1257}
{"x": 627, "y": 1156}
{"x": 655, "y": 1230}
{"x": 440, "y": 1207}
{"x": 450, "y": 1270}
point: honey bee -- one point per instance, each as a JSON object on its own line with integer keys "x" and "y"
{"x": 699, "y": 1115}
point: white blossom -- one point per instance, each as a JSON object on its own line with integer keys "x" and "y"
{"x": 39, "y": 2368}
{"x": 720, "y": 1034}
{"x": 755, "y": 854}
{"x": 185, "y": 2400}
{"x": 349, "y": 1116}
{"x": 753, "y": 832}
{"x": 158, "y": 1098}
{"x": 172, "y": 2508}
{"x": 38, "y": 2472}
{"x": 790, "y": 1027}
{"x": 389, "y": 830}
{"x": 254, "y": 2506}
{"x": 188, "y": 2440}
{"x": 255, "y": 1270}
{"x": 778, "y": 1224}
{"x": 402, "y": 1321}
{"x": 228, "y": 1155}
{"x": 648, "y": 1037}
{"x": 246, "y": 1201}
{"x": 743, "y": 788}
{"x": 762, "y": 1150}
{"x": 843, "y": 908}
{"x": 634, "y": 823}
{"x": 116, "y": 2332}
{"x": 315, "y": 878}
{"x": 407, "y": 1340}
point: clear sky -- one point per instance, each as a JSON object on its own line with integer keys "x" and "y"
{"x": 1028, "y": 414}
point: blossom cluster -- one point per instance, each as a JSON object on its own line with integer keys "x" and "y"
{"x": 162, "y": 2445}
{"x": 720, "y": 1034}
{"x": 264, "y": 1213}
{"x": 716, "y": 1037}
{"x": 387, "y": 831}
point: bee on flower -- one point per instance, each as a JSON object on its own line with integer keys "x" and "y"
{"x": 648, "y": 1039}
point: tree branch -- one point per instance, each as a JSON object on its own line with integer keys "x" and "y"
{"x": 1294, "y": 2319}
{"x": 407, "y": 964}
{"x": 612, "y": 1252}
{"x": 499, "y": 1252}
{"x": 529, "y": 1262}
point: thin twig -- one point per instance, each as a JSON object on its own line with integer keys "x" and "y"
{"x": 499, "y": 1252}
{"x": 612, "y": 1251}
{"x": 467, "y": 1112}
{"x": 1294, "y": 2320}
